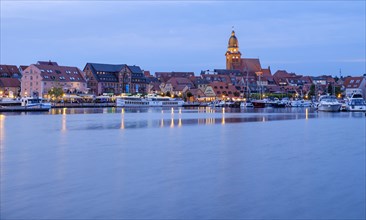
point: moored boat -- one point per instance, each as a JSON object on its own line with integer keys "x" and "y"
{"x": 259, "y": 103}
{"x": 247, "y": 104}
{"x": 149, "y": 101}
{"x": 356, "y": 103}
{"x": 329, "y": 104}
{"x": 28, "y": 104}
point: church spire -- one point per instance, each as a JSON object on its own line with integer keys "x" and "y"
{"x": 233, "y": 55}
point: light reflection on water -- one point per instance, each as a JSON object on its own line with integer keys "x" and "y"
{"x": 182, "y": 163}
{"x": 175, "y": 118}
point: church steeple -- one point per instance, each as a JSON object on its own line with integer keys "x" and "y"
{"x": 233, "y": 55}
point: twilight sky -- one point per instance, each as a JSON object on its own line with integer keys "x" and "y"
{"x": 309, "y": 38}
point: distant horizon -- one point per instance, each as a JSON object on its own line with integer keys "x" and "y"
{"x": 307, "y": 38}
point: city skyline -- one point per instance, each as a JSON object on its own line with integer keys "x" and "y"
{"x": 308, "y": 38}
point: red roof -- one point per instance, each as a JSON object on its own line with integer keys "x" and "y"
{"x": 197, "y": 92}
{"x": 23, "y": 67}
{"x": 52, "y": 71}
{"x": 147, "y": 73}
{"x": 180, "y": 81}
{"x": 221, "y": 88}
{"x": 9, "y": 82}
{"x": 250, "y": 64}
{"x": 353, "y": 82}
{"x": 8, "y": 70}
{"x": 266, "y": 72}
{"x": 155, "y": 86}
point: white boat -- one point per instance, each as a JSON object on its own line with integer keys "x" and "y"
{"x": 149, "y": 101}
{"x": 300, "y": 103}
{"x": 329, "y": 104}
{"x": 356, "y": 103}
{"x": 35, "y": 102}
{"x": 246, "y": 105}
{"x": 10, "y": 102}
{"x": 28, "y": 104}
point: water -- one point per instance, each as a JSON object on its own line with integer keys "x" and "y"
{"x": 182, "y": 164}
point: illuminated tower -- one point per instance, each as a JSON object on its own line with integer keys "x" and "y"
{"x": 233, "y": 56}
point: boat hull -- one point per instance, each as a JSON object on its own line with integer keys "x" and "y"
{"x": 356, "y": 108}
{"x": 23, "y": 109}
{"x": 259, "y": 104}
{"x": 329, "y": 108}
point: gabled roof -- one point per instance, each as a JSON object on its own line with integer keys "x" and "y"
{"x": 147, "y": 73}
{"x": 52, "y": 72}
{"x": 281, "y": 74}
{"x": 155, "y": 86}
{"x": 251, "y": 65}
{"x": 228, "y": 72}
{"x": 9, "y": 82}
{"x": 135, "y": 69}
{"x": 105, "y": 72}
{"x": 176, "y": 81}
{"x": 266, "y": 72}
{"x": 99, "y": 67}
{"x": 197, "y": 92}
{"x": 9, "y": 70}
{"x": 23, "y": 67}
{"x": 221, "y": 88}
{"x": 197, "y": 80}
{"x": 353, "y": 82}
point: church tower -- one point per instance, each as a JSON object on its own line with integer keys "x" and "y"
{"x": 233, "y": 55}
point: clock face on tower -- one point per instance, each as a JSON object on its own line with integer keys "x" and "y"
{"x": 233, "y": 55}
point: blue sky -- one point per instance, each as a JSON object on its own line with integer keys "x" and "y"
{"x": 309, "y": 38}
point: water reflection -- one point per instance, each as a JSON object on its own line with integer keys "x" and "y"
{"x": 133, "y": 123}
{"x": 2, "y": 131}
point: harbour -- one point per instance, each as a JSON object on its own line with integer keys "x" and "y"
{"x": 191, "y": 163}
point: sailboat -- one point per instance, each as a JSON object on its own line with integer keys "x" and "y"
{"x": 259, "y": 103}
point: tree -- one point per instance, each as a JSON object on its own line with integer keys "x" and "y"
{"x": 168, "y": 94}
{"x": 56, "y": 92}
{"x": 312, "y": 90}
{"x": 330, "y": 88}
{"x": 189, "y": 94}
{"x": 236, "y": 94}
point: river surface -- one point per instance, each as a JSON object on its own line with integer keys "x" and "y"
{"x": 182, "y": 164}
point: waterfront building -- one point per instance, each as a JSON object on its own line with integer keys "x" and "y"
{"x": 165, "y": 76}
{"x": 154, "y": 88}
{"x": 177, "y": 86}
{"x": 38, "y": 79}
{"x": 355, "y": 85}
{"x": 224, "y": 90}
{"x": 22, "y": 68}
{"x": 199, "y": 83}
{"x": 9, "y": 87}
{"x": 234, "y": 60}
{"x": 197, "y": 95}
{"x": 9, "y": 71}
{"x": 115, "y": 79}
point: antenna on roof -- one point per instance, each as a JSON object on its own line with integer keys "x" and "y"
{"x": 340, "y": 73}
{"x": 232, "y": 27}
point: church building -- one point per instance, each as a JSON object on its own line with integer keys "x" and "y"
{"x": 234, "y": 60}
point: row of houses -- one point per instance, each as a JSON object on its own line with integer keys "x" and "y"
{"x": 97, "y": 79}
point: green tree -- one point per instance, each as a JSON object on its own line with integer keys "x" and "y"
{"x": 56, "y": 92}
{"x": 168, "y": 94}
{"x": 236, "y": 94}
{"x": 189, "y": 94}
{"x": 312, "y": 90}
{"x": 330, "y": 88}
